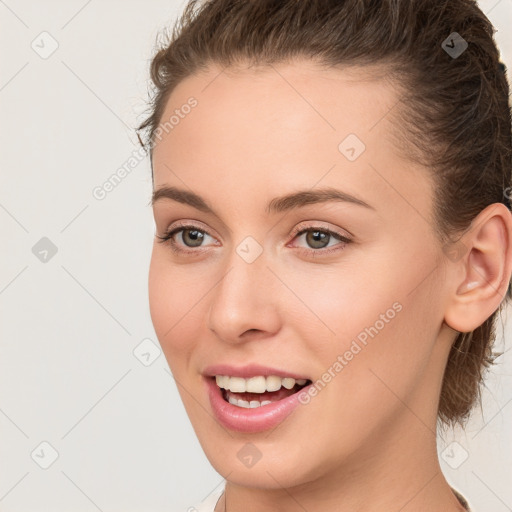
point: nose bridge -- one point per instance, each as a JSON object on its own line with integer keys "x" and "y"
{"x": 243, "y": 299}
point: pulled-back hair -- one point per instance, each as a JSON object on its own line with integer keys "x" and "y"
{"x": 454, "y": 115}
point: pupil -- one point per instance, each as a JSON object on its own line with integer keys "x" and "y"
{"x": 195, "y": 235}
{"x": 318, "y": 237}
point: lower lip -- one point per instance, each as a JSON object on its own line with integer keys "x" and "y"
{"x": 257, "y": 419}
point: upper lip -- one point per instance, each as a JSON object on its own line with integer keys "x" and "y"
{"x": 249, "y": 370}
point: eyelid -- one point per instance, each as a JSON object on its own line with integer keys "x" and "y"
{"x": 182, "y": 226}
{"x": 312, "y": 225}
{"x": 186, "y": 224}
{"x": 343, "y": 240}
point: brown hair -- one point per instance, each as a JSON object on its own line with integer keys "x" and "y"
{"x": 454, "y": 111}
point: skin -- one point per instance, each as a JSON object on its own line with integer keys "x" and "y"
{"x": 367, "y": 441}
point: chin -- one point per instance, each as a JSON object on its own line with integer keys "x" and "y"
{"x": 270, "y": 460}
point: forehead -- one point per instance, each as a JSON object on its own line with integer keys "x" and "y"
{"x": 272, "y": 127}
{"x": 285, "y": 103}
{"x": 300, "y": 86}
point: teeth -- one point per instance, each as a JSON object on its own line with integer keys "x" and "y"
{"x": 273, "y": 383}
{"x": 248, "y": 405}
{"x": 288, "y": 383}
{"x": 237, "y": 384}
{"x": 257, "y": 384}
{"x": 222, "y": 381}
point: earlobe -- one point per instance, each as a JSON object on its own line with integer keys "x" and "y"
{"x": 486, "y": 269}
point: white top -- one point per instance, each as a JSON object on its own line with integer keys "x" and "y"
{"x": 208, "y": 504}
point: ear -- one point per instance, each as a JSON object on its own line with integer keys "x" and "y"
{"x": 479, "y": 267}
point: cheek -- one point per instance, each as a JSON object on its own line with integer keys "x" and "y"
{"x": 378, "y": 339}
{"x": 161, "y": 296}
{"x": 173, "y": 305}
{"x": 338, "y": 304}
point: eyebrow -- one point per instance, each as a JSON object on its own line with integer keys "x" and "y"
{"x": 297, "y": 199}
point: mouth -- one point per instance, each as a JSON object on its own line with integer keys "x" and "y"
{"x": 257, "y": 391}
{"x": 253, "y": 398}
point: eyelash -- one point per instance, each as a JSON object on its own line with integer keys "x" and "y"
{"x": 168, "y": 239}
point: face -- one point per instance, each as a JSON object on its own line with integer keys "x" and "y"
{"x": 340, "y": 286}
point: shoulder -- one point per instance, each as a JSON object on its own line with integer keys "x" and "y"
{"x": 461, "y": 499}
{"x": 208, "y": 504}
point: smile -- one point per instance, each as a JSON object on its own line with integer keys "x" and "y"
{"x": 257, "y": 391}
{"x": 252, "y": 398}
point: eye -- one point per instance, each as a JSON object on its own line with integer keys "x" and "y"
{"x": 191, "y": 236}
{"x": 318, "y": 238}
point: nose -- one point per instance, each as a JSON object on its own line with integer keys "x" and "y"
{"x": 244, "y": 304}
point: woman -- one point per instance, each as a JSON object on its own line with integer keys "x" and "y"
{"x": 332, "y": 241}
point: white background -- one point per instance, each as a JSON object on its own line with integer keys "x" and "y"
{"x": 68, "y": 327}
